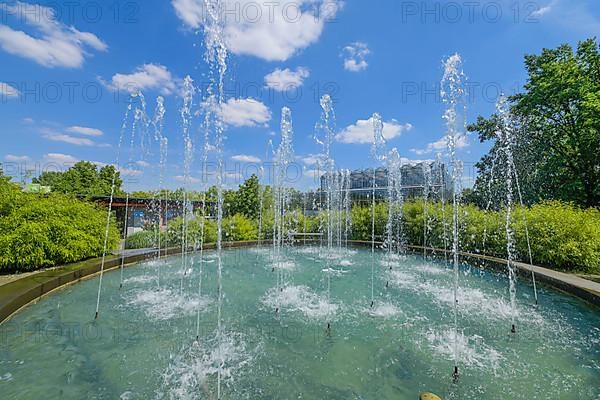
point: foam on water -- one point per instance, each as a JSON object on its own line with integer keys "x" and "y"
{"x": 281, "y": 263}
{"x": 346, "y": 263}
{"x": 153, "y": 263}
{"x": 300, "y": 299}
{"x": 472, "y": 350}
{"x": 394, "y": 257}
{"x": 128, "y": 395}
{"x": 402, "y": 279}
{"x": 7, "y": 377}
{"x": 285, "y": 265}
{"x": 164, "y": 304}
{"x": 470, "y": 299}
{"x": 141, "y": 279}
{"x": 306, "y": 250}
{"x": 432, "y": 269}
{"x": 188, "y": 375}
{"x": 391, "y": 260}
{"x": 335, "y": 255}
{"x": 260, "y": 250}
{"x": 335, "y": 272}
{"x": 384, "y": 310}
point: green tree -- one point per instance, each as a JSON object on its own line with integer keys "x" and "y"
{"x": 3, "y": 178}
{"x": 558, "y": 139}
{"x": 246, "y": 200}
{"x": 84, "y": 178}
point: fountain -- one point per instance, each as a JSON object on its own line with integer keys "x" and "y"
{"x": 405, "y": 341}
{"x": 426, "y": 194}
{"x": 453, "y": 92}
{"x": 378, "y": 153}
{"x": 281, "y": 195}
{"x": 324, "y": 135}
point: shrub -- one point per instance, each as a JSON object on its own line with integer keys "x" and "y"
{"x": 239, "y": 228}
{"x": 362, "y": 221}
{"x": 142, "y": 240}
{"x": 562, "y": 236}
{"x": 43, "y": 231}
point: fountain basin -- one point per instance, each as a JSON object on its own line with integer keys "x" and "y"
{"x": 143, "y": 345}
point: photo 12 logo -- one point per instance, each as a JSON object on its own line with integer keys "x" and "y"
{"x": 453, "y": 12}
{"x": 71, "y": 12}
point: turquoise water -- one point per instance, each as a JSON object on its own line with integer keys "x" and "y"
{"x": 143, "y": 345}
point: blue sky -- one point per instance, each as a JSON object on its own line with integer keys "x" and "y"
{"x": 59, "y": 68}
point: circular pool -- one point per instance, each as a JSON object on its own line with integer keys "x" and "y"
{"x": 144, "y": 344}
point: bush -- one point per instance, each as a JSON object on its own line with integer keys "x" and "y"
{"x": 362, "y": 220}
{"x": 43, "y": 231}
{"x": 142, "y": 240}
{"x": 239, "y": 228}
{"x": 236, "y": 228}
{"x": 562, "y": 236}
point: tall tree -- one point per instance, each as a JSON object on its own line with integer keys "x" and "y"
{"x": 246, "y": 199}
{"x": 84, "y": 178}
{"x": 558, "y": 135}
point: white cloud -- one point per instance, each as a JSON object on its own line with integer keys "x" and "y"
{"x": 55, "y": 136}
{"x": 244, "y": 112}
{"x": 313, "y": 175}
{"x": 68, "y": 160}
{"x": 245, "y": 158}
{"x": 9, "y": 91}
{"x": 568, "y": 15}
{"x": 125, "y": 172}
{"x": 181, "y": 178}
{"x": 273, "y": 31}
{"x": 59, "y": 158}
{"x": 13, "y": 158}
{"x": 55, "y": 44}
{"x": 82, "y": 130}
{"x": 285, "y": 79}
{"x": 143, "y": 164}
{"x": 362, "y": 131}
{"x": 146, "y": 77}
{"x": 311, "y": 159}
{"x": 441, "y": 145}
{"x": 541, "y": 11}
{"x": 409, "y": 161}
{"x": 355, "y": 55}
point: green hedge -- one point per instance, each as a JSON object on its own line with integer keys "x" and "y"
{"x": 235, "y": 228}
{"x": 38, "y": 231}
{"x": 562, "y": 236}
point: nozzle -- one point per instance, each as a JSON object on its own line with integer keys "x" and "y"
{"x": 455, "y": 374}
